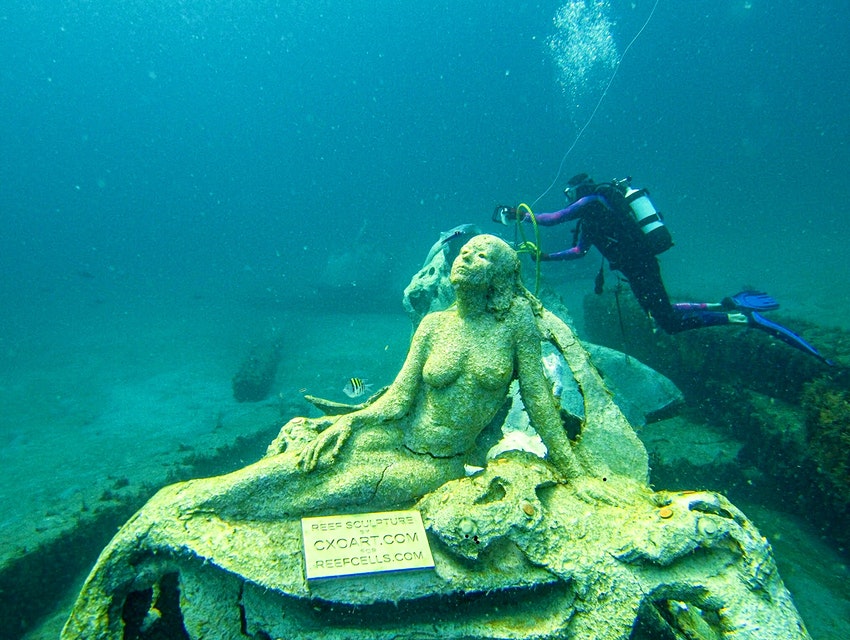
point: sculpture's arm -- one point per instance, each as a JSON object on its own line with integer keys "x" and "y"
{"x": 393, "y": 405}
{"x": 538, "y": 400}
{"x": 402, "y": 393}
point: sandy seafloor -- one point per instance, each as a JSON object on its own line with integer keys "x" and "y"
{"x": 103, "y": 397}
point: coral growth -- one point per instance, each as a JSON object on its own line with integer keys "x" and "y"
{"x": 828, "y": 431}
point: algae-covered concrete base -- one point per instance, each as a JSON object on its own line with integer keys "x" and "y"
{"x": 519, "y": 553}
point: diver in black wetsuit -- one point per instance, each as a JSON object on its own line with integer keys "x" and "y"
{"x": 628, "y": 231}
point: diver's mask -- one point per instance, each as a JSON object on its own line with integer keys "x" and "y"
{"x": 579, "y": 186}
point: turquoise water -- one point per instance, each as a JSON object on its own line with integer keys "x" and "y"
{"x": 176, "y": 148}
{"x": 179, "y": 180}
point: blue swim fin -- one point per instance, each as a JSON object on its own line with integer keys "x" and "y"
{"x": 786, "y": 335}
{"x": 754, "y": 301}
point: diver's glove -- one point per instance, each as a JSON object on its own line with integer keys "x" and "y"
{"x": 504, "y": 214}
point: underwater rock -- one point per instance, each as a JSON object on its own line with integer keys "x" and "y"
{"x": 359, "y": 276}
{"x": 643, "y": 394}
{"x": 255, "y": 377}
{"x": 827, "y": 409}
{"x": 679, "y": 447}
{"x": 575, "y": 545}
{"x": 430, "y": 290}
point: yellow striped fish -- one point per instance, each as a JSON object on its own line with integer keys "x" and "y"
{"x": 356, "y": 387}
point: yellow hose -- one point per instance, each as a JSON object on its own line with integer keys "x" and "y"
{"x": 529, "y": 247}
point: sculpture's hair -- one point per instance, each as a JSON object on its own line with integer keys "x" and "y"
{"x": 506, "y": 284}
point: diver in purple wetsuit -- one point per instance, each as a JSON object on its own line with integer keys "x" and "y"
{"x": 623, "y": 224}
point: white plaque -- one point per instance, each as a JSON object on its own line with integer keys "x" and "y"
{"x": 354, "y": 544}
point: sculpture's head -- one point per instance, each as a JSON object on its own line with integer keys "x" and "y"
{"x": 488, "y": 262}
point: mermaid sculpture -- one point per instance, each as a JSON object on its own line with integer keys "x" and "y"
{"x": 573, "y": 545}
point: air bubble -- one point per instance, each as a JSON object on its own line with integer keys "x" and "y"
{"x": 583, "y": 49}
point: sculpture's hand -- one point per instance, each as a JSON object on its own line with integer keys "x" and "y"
{"x": 334, "y": 436}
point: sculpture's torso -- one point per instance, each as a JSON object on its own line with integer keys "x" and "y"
{"x": 461, "y": 375}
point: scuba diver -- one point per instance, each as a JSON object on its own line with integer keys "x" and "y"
{"x": 629, "y": 232}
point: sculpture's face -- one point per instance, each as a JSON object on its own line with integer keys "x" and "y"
{"x": 474, "y": 264}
